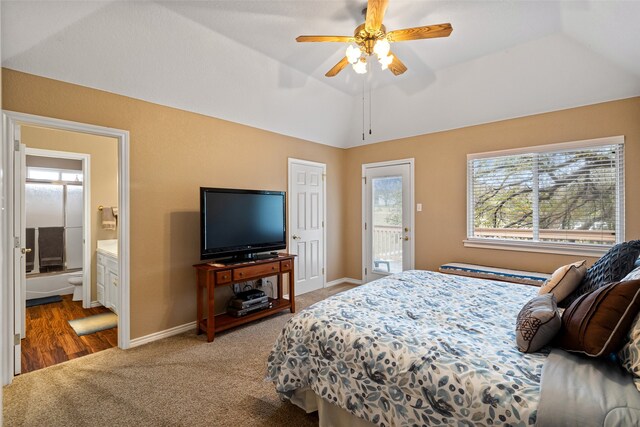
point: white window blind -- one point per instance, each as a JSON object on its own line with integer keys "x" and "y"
{"x": 562, "y": 194}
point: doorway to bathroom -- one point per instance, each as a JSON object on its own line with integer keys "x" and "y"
{"x": 59, "y": 290}
{"x": 56, "y": 215}
{"x": 66, "y": 209}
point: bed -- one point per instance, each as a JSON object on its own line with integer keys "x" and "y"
{"x": 426, "y": 348}
{"x": 418, "y": 347}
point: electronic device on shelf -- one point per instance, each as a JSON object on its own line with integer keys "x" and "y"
{"x": 239, "y": 312}
{"x": 240, "y": 303}
{"x": 250, "y": 294}
{"x": 241, "y": 223}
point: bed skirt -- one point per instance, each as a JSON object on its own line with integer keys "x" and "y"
{"x": 330, "y": 415}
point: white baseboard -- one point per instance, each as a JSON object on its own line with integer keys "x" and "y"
{"x": 162, "y": 334}
{"x": 95, "y": 304}
{"x": 343, "y": 280}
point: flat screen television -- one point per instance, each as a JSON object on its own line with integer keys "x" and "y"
{"x": 241, "y": 223}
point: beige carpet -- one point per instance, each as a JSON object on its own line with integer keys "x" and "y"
{"x": 178, "y": 381}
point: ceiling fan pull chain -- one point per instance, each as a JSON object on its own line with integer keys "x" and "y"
{"x": 363, "y": 82}
{"x": 369, "y": 107}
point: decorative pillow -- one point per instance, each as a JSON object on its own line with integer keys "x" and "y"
{"x": 629, "y": 355}
{"x": 564, "y": 280}
{"x": 634, "y": 275}
{"x": 612, "y": 267}
{"x": 596, "y": 324}
{"x": 538, "y": 322}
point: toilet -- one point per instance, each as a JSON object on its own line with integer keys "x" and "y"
{"x": 76, "y": 281}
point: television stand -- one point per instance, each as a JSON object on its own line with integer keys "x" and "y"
{"x": 209, "y": 276}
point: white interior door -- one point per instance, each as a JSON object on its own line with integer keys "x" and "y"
{"x": 20, "y": 250}
{"x": 306, "y": 224}
{"x": 387, "y": 219}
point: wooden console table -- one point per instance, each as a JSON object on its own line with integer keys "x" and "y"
{"x": 213, "y": 275}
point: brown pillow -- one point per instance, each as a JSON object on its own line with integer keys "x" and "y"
{"x": 596, "y": 324}
{"x": 564, "y": 280}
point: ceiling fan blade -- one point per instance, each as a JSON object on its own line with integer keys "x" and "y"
{"x": 339, "y": 39}
{"x": 338, "y": 67}
{"x": 396, "y": 66}
{"x": 417, "y": 33}
{"x": 375, "y": 15}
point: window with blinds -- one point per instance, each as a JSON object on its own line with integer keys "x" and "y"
{"x": 570, "y": 193}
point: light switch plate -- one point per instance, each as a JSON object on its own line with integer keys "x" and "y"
{"x": 419, "y": 207}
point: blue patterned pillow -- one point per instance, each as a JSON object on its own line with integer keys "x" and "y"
{"x": 612, "y": 267}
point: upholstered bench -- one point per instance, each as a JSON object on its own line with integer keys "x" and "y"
{"x": 494, "y": 273}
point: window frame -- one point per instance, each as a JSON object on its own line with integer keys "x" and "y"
{"x": 57, "y": 180}
{"x": 581, "y": 249}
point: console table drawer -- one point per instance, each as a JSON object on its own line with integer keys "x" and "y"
{"x": 223, "y": 277}
{"x": 285, "y": 265}
{"x": 256, "y": 270}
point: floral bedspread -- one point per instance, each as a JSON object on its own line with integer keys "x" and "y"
{"x": 416, "y": 348}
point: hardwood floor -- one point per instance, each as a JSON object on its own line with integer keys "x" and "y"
{"x": 51, "y": 340}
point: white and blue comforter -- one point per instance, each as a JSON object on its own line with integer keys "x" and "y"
{"x": 416, "y": 348}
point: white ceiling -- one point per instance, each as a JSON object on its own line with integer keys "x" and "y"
{"x": 238, "y": 60}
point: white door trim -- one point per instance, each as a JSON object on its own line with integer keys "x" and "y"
{"x": 290, "y": 162}
{"x": 10, "y": 119}
{"x": 365, "y": 166}
{"x": 86, "y": 214}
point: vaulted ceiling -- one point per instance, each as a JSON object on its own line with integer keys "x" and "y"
{"x": 238, "y": 60}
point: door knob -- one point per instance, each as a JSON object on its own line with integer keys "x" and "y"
{"x": 295, "y": 237}
{"x": 26, "y": 250}
{"x": 406, "y": 237}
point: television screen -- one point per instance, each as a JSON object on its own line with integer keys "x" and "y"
{"x": 237, "y": 222}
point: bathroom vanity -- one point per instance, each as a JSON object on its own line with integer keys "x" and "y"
{"x": 107, "y": 274}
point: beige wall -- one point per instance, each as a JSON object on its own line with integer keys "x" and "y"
{"x": 440, "y": 176}
{"x": 172, "y": 154}
{"x": 103, "y": 178}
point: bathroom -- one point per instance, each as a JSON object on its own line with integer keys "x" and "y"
{"x": 54, "y": 227}
{"x": 70, "y": 211}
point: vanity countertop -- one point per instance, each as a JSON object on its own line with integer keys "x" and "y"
{"x": 108, "y": 247}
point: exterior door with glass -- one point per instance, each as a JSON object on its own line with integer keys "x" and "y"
{"x": 388, "y": 218}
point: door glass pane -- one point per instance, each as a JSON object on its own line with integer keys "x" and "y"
{"x": 73, "y": 247}
{"x": 75, "y": 206}
{"x": 387, "y": 224}
{"x": 44, "y": 205}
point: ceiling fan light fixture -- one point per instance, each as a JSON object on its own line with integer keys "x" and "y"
{"x": 360, "y": 67}
{"x": 353, "y": 54}
{"x": 382, "y": 48}
{"x": 385, "y": 61}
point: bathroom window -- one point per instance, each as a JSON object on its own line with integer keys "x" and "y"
{"x": 43, "y": 174}
{"x": 53, "y": 175}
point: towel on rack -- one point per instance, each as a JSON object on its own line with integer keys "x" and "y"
{"x": 109, "y": 218}
{"x": 51, "y": 247}
{"x": 30, "y": 244}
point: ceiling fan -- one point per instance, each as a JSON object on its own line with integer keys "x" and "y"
{"x": 372, "y": 37}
